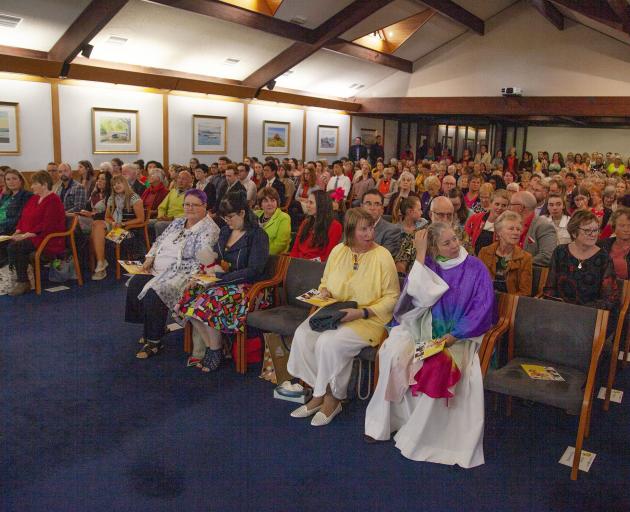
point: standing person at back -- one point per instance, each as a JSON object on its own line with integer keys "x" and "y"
{"x": 376, "y": 151}
{"x": 357, "y": 150}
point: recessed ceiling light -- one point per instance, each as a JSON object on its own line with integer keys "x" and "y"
{"x": 356, "y": 86}
{"x": 390, "y": 34}
{"x": 230, "y": 61}
{"x": 298, "y": 20}
{"x": 116, "y": 40}
{"x": 8, "y": 21}
{"x": 287, "y": 73}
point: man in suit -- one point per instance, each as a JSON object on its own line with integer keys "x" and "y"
{"x": 539, "y": 236}
{"x": 271, "y": 180}
{"x": 376, "y": 151}
{"x": 232, "y": 183}
{"x": 385, "y": 233}
{"x": 357, "y": 151}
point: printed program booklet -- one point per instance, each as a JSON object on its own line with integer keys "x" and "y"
{"x": 117, "y": 235}
{"x": 541, "y": 372}
{"x": 313, "y": 298}
{"x": 134, "y": 268}
{"x": 428, "y": 348}
{"x": 205, "y": 278}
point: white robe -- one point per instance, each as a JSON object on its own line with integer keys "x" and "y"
{"x": 428, "y": 429}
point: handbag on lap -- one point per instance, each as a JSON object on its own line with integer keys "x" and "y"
{"x": 329, "y": 317}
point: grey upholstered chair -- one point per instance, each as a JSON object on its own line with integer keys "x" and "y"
{"x": 546, "y": 333}
{"x": 615, "y": 342}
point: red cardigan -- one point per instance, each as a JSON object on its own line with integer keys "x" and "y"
{"x": 474, "y": 226}
{"x": 153, "y": 196}
{"x": 305, "y": 250}
{"x": 42, "y": 219}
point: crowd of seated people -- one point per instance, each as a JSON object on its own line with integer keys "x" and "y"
{"x": 456, "y": 230}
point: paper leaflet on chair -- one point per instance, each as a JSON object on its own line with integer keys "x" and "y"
{"x": 313, "y": 298}
{"x": 5, "y": 238}
{"x": 134, "y": 268}
{"x": 539, "y": 372}
{"x": 117, "y": 235}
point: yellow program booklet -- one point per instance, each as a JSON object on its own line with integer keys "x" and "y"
{"x": 539, "y": 372}
{"x": 133, "y": 267}
{"x": 205, "y": 278}
{"x": 313, "y": 298}
{"x": 117, "y": 235}
{"x": 428, "y": 348}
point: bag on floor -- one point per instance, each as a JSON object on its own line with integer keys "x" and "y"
{"x": 275, "y": 360}
{"x": 61, "y": 271}
{"x": 8, "y": 279}
{"x": 253, "y": 348}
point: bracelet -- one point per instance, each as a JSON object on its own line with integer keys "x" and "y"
{"x": 366, "y": 313}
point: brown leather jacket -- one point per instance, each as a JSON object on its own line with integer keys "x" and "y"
{"x": 518, "y": 278}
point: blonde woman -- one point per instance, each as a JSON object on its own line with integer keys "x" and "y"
{"x": 406, "y": 188}
{"x": 124, "y": 210}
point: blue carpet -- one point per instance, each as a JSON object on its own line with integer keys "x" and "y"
{"x": 85, "y": 426}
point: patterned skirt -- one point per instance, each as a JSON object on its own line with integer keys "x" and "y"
{"x": 223, "y": 307}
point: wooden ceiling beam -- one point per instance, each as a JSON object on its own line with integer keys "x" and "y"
{"x": 550, "y": 12}
{"x": 363, "y": 53}
{"x": 622, "y": 10}
{"x": 458, "y": 14}
{"x": 325, "y": 33}
{"x": 598, "y": 10}
{"x": 574, "y": 106}
{"x": 233, "y": 14}
{"x": 90, "y": 22}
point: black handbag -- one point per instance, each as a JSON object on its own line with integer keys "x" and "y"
{"x": 329, "y": 317}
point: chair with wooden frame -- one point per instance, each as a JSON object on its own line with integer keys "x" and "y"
{"x": 72, "y": 221}
{"x": 544, "y": 333}
{"x": 273, "y": 277}
{"x": 539, "y": 279}
{"x": 145, "y": 230}
{"x": 624, "y": 286}
{"x": 505, "y": 305}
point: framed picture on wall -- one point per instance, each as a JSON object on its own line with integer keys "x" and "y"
{"x": 209, "y": 134}
{"x": 115, "y": 131}
{"x": 368, "y": 136}
{"x": 9, "y": 128}
{"x": 327, "y": 140}
{"x": 276, "y": 138}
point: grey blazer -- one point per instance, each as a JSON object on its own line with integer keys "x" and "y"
{"x": 389, "y": 235}
{"x": 541, "y": 240}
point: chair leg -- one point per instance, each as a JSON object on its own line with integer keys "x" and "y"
{"x": 624, "y": 363}
{"x": 611, "y": 373}
{"x": 117, "y": 253}
{"x": 146, "y": 237}
{"x": 241, "y": 363}
{"x": 38, "y": 276}
{"x": 579, "y": 441}
{"x": 75, "y": 259}
{"x": 188, "y": 338}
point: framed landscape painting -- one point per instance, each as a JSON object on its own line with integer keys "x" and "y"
{"x": 114, "y": 131}
{"x": 327, "y": 140}
{"x": 209, "y": 134}
{"x": 9, "y": 128}
{"x": 276, "y": 137}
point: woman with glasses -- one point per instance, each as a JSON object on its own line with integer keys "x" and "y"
{"x": 581, "y": 272}
{"x": 243, "y": 250}
{"x": 174, "y": 257}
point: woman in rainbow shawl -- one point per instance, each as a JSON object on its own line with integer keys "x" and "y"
{"x": 435, "y": 405}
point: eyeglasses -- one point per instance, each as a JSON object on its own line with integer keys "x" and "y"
{"x": 192, "y": 205}
{"x": 442, "y": 215}
{"x": 590, "y": 232}
{"x": 370, "y": 203}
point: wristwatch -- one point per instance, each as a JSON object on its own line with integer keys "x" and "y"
{"x": 366, "y": 313}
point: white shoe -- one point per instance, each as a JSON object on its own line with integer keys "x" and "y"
{"x": 100, "y": 266}
{"x": 303, "y": 412}
{"x": 320, "y": 419}
{"x": 97, "y": 276}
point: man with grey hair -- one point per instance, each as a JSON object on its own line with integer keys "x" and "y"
{"x": 539, "y": 236}
{"x": 130, "y": 172}
{"x": 442, "y": 210}
{"x": 72, "y": 194}
{"x": 448, "y": 184}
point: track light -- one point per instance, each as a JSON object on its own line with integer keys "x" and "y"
{"x": 86, "y": 51}
{"x": 64, "y": 70}
{"x": 271, "y": 84}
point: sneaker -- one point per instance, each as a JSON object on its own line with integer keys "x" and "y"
{"x": 20, "y": 289}
{"x": 97, "y": 276}
{"x": 100, "y": 266}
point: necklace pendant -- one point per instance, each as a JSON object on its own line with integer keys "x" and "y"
{"x": 580, "y": 265}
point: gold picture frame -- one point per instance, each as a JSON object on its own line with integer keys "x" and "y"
{"x": 115, "y": 131}
{"x": 276, "y": 138}
{"x": 209, "y": 134}
{"x": 9, "y": 128}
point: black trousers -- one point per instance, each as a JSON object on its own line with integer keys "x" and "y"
{"x": 19, "y": 253}
{"x": 150, "y": 311}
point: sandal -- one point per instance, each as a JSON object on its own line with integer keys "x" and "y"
{"x": 193, "y": 361}
{"x": 149, "y": 350}
{"x": 212, "y": 360}
{"x": 141, "y": 341}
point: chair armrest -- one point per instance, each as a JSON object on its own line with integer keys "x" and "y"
{"x": 489, "y": 342}
{"x": 258, "y": 288}
{"x": 58, "y": 234}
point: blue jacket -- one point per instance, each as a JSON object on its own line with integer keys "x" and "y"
{"x": 14, "y": 210}
{"x": 247, "y": 257}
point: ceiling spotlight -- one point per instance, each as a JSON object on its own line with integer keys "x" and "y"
{"x": 271, "y": 84}
{"x": 86, "y": 51}
{"x": 379, "y": 34}
{"x": 65, "y": 68}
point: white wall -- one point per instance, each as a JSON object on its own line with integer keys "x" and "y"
{"x": 180, "y": 112}
{"x": 567, "y": 140}
{"x": 390, "y": 139}
{"x": 520, "y": 48}
{"x": 75, "y": 112}
{"x": 35, "y": 123}
{"x": 316, "y": 117}
{"x": 257, "y": 113}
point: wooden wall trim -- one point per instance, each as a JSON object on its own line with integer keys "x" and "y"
{"x": 245, "y": 127}
{"x": 56, "y": 123}
{"x": 304, "y": 137}
{"x": 165, "y": 132}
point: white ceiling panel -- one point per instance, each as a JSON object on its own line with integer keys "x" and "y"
{"x": 331, "y": 74}
{"x": 44, "y": 21}
{"x": 433, "y": 34}
{"x": 315, "y": 12}
{"x": 169, "y": 38}
{"x": 392, "y": 13}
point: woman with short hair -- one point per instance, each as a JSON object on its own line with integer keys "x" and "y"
{"x": 480, "y": 226}
{"x": 471, "y": 197}
{"x": 510, "y": 266}
{"x": 358, "y": 270}
{"x": 156, "y": 191}
{"x": 581, "y": 272}
{"x": 406, "y": 188}
{"x": 559, "y": 217}
{"x": 275, "y": 222}
{"x": 42, "y": 215}
{"x": 87, "y": 178}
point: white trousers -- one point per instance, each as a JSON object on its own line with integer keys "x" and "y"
{"x": 324, "y": 358}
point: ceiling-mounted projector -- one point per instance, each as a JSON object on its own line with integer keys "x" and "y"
{"x": 511, "y": 91}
